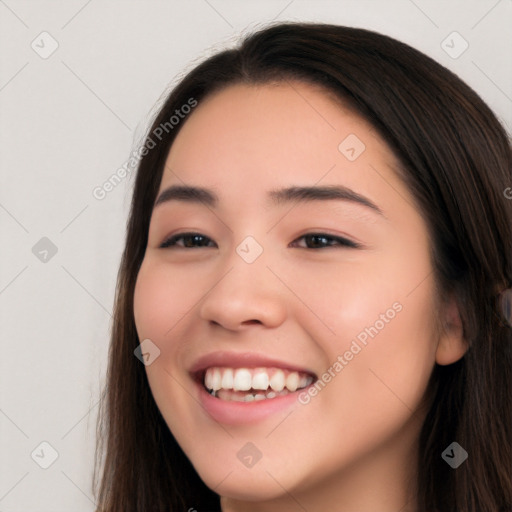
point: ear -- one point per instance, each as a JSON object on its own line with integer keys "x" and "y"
{"x": 451, "y": 345}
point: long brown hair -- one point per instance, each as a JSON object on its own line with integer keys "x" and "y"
{"x": 456, "y": 160}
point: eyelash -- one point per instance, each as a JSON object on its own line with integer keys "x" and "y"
{"x": 341, "y": 241}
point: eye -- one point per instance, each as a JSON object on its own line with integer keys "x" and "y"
{"x": 188, "y": 240}
{"x": 322, "y": 240}
{"x": 312, "y": 241}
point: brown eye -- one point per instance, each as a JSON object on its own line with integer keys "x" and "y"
{"x": 322, "y": 240}
{"x": 187, "y": 240}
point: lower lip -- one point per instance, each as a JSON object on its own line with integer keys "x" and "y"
{"x": 244, "y": 413}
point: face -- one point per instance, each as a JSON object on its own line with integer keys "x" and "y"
{"x": 303, "y": 258}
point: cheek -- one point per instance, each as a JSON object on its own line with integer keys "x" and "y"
{"x": 162, "y": 298}
{"x": 149, "y": 304}
{"x": 158, "y": 314}
{"x": 387, "y": 356}
{"x": 384, "y": 385}
{"x": 377, "y": 315}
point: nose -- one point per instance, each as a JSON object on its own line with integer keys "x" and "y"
{"x": 245, "y": 294}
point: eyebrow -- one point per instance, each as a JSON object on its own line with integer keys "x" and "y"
{"x": 293, "y": 194}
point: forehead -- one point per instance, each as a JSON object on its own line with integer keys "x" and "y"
{"x": 248, "y": 137}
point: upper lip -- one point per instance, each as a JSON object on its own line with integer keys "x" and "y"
{"x": 242, "y": 360}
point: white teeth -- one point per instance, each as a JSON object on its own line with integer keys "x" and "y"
{"x": 227, "y": 379}
{"x": 208, "y": 379}
{"x": 243, "y": 380}
{"x": 216, "y": 379}
{"x": 270, "y": 382}
{"x": 277, "y": 381}
{"x": 260, "y": 380}
{"x": 292, "y": 381}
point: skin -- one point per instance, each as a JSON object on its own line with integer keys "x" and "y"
{"x": 353, "y": 447}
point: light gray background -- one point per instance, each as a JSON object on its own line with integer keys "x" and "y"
{"x": 67, "y": 123}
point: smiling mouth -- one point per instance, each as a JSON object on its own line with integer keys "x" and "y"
{"x": 253, "y": 384}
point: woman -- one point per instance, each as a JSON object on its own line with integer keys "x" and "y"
{"x": 317, "y": 247}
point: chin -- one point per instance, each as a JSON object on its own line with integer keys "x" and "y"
{"x": 247, "y": 487}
